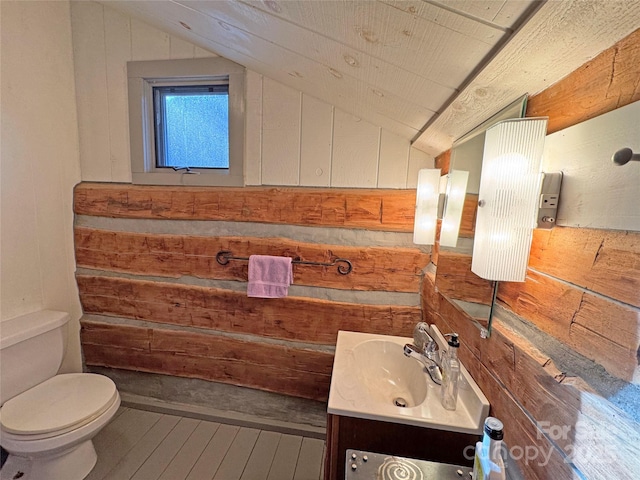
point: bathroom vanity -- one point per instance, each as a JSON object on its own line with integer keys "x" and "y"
{"x": 368, "y": 465}
{"x": 381, "y": 401}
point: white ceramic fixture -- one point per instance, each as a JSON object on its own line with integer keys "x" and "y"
{"x": 47, "y": 421}
{"x": 372, "y": 377}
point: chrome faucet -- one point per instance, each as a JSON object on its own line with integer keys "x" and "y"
{"x": 425, "y": 350}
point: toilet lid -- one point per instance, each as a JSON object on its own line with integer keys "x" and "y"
{"x": 58, "y": 403}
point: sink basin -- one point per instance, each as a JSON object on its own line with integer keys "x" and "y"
{"x": 386, "y": 375}
{"x": 373, "y": 379}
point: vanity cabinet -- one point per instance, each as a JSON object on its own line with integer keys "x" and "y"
{"x": 392, "y": 439}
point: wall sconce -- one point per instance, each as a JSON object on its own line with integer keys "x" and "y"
{"x": 426, "y": 216}
{"x": 453, "y": 205}
{"x": 509, "y": 197}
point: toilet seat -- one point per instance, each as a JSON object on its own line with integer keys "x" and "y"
{"x": 60, "y": 404}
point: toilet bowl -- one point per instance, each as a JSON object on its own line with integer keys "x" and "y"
{"x": 47, "y": 428}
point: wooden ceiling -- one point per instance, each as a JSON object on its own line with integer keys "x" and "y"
{"x": 427, "y": 70}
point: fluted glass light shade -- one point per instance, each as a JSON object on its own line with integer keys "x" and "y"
{"x": 508, "y": 198}
{"x": 426, "y": 217}
{"x": 456, "y": 193}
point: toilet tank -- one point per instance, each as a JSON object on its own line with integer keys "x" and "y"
{"x": 31, "y": 350}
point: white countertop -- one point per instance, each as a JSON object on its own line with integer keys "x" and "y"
{"x": 349, "y": 396}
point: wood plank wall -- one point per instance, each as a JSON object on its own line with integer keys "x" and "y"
{"x": 292, "y": 138}
{"x": 156, "y": 300}
{"x": 583, "y": 289}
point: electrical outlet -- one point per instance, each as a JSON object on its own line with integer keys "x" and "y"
{"x": 549, "y": 201}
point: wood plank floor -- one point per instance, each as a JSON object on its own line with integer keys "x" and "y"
{"x": 143, "y": 445}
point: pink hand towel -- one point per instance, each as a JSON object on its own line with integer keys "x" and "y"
{"x": 269, "y": 277}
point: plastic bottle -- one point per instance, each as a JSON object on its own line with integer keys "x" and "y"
{"x": 450, "y": 375}
{"x": 488, "y": 463}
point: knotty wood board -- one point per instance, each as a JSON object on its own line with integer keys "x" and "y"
{"x": 383, "y": 210}
{"x": 374, "y": 268}
{"x": 291, "y": 318}
{"x": 455, "y": 279}
{"x": 277, "y": 368}
{"x": 521, "y": 383}
{"x": 603, "y": 331}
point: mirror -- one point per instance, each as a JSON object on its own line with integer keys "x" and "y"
{"x": 466, "y": 156}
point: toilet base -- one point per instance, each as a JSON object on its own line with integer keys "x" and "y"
{"x": 72, "y": 464}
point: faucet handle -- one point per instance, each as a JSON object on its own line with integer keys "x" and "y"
{"x": 421, "y": 338}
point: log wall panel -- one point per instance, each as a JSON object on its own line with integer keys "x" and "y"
{"x": 469, "y": 213}
{"x": 524, "y": 387}
{"x": 606, "y": 332}
{"x": 607, "y": 82}
{"x": 443, "y": 162}
{"x": 455, "y": 279}
{"x": 520, "y": 431}
{"x": 291, "y": 318}
{"x": 374, "y": 268}
{"x": 385, "y": 210}
{"x": 604, "y": 261}
{"x": 294, "y": 371}
{"x": 112, "y": 254}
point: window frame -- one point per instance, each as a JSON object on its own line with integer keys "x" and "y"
{"x": 142, "y": 76}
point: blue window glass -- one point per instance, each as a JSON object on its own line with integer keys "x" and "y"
{"x": 192, "y": 126}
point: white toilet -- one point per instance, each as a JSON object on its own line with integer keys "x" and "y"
{"x": 47, "y": 421}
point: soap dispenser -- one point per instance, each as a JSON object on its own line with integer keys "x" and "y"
{"x": 450, "y": 374}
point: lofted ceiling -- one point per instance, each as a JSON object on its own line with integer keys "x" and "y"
{"x": 426, "y": 70}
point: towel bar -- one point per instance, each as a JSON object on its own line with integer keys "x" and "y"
{"x": 344, "y": 266}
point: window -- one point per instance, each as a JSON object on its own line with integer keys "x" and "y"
{"x": 186, "y": 121}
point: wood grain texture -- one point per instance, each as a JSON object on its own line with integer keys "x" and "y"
{"x": 531, "y": 61}
{"x": 522, "y": 384}
{"x": 606, "y": 332}
{"x": 478, "y": 356}
{"x": 291, "y": 318}
{"x": 455, "y": 279}
{"x": 604, "y": 261}
{"x": 469, "y": 213}
{"x": 607, "y": 82}
{"x": 298, "y": 372}
{"x": 443, "y": 162}
{"x": 374, "y": 268}
{"x": 383, "y": 210}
